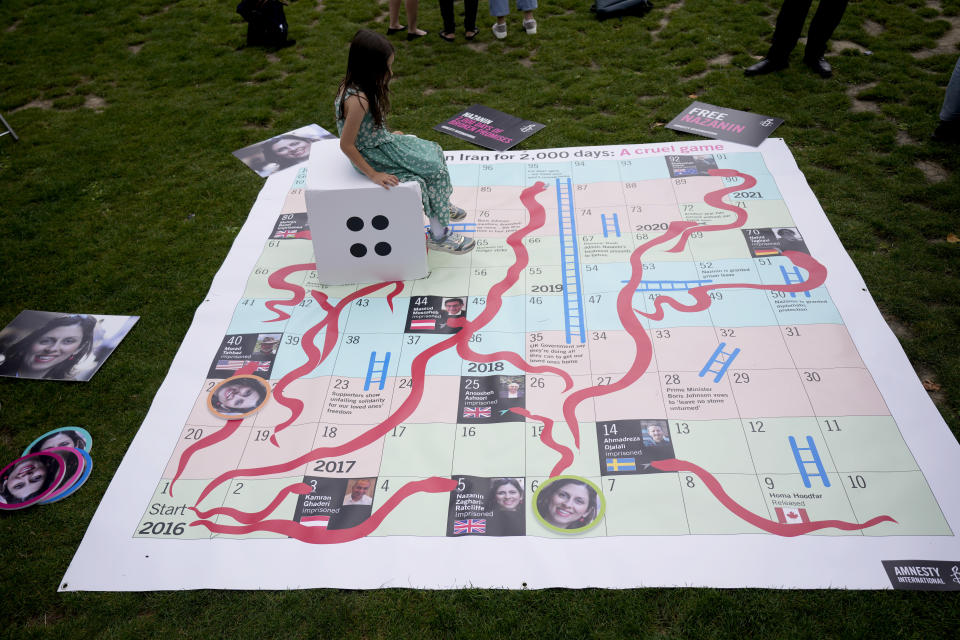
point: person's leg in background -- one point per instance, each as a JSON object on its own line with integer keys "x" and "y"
{"x": 949, "y": 128}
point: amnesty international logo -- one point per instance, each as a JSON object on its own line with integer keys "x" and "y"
{"x": 923, "y": 575}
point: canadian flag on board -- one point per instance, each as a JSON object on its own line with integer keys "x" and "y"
{"x": 791, "y": 515}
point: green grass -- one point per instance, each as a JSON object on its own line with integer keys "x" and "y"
{"x": 122, "y": 197}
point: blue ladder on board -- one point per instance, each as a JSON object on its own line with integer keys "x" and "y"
{"x": 722, "y": 357}
{"x": 610, "y": 224}
{"x": 570, "y": 263}
{"x": 459, "y": 227}
{"x": 376, "y": 367}
{"x": 793, "y": 278}
{"x": 802, "y": 464}
{"x": 669, "y": 285}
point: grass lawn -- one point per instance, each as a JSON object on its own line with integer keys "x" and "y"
{"x": 122, "y": 198}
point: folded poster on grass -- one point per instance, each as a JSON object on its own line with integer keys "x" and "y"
{"x": 60, "y": 346}
{"x": 489, "y": 128}
{"x": 280, "y": 152}
{"x": 722, "y": 123}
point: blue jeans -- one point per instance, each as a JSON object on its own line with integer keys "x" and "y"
{"x": 500, "y": 8}
{"x": 951, "y": 101}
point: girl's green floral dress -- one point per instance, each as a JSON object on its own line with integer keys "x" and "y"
{"x": 407, "y": 157}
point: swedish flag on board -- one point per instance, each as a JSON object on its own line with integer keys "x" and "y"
{"x": 621, "y": 464}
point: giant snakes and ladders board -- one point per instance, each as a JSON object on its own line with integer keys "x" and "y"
{"x": 673, "y": 328}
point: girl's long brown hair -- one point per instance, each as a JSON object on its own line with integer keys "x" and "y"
{"x": 368, "y": 72}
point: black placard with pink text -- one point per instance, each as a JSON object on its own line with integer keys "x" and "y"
{"x": 489, "y": 128}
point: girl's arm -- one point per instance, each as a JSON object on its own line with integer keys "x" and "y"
{"x": 354, "y": 108}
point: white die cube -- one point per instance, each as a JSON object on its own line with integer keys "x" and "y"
{"x": 362, "y": 233}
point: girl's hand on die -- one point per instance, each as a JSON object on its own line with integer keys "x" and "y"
{"x": 385, "y": 180}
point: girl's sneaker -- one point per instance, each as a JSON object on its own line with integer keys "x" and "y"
{"x": 530, "y": 26}
{"x": 456, "y": 213}
{"x": 452, "y": 243}
{"x": 500, "y": 30}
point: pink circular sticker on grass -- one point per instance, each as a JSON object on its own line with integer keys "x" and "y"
{"x": 73, "y": 466}
{"x": 30, "y": 479}
{"x": 83, "y": 472}
{"x": 63, "y": 437}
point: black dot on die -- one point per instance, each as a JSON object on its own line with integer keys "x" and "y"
{"x": 354, "y": 223}
{"x": 358, "y": 250}
{"x": 380, "y": 222}
{"x": 382, "y": 248}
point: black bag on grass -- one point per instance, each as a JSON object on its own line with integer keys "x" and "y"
{"x": 266, "y": 22}
{"x": 616, "y": 8}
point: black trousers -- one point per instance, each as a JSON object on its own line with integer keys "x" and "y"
{"x": 469, "y": 15}
{"x": 790, "y": 23}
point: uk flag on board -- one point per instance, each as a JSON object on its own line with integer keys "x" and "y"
{"x": 473, "y": 525}
{"x": 286, "y": 233}
{"x": 315, "y": 521}
{"x": 476, "y": 412}
{"x": 791, "y": 515}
